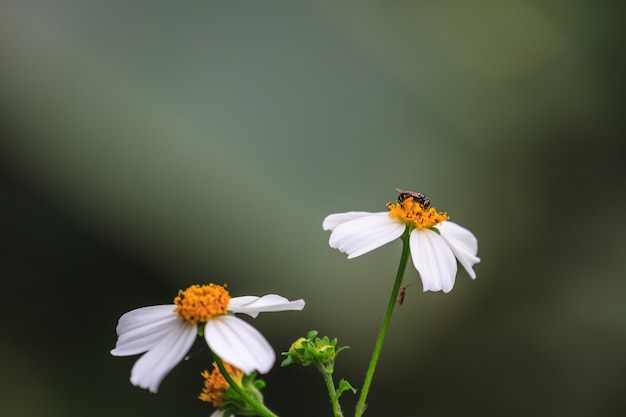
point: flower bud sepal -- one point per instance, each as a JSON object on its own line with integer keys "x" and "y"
{"x": 237, "y": 405}
{"x": 320, "y": 353}
{"x": 313, "y": 351}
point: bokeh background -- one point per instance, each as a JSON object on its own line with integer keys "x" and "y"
{"x": 147, "y": 146}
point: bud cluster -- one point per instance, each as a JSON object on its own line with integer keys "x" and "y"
{"x": 313, "y": 351}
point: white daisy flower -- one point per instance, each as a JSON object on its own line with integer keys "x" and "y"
{"x": 167, "y": 332}
{"x": 434, "y": 240}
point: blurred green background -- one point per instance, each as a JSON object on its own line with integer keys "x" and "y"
{"x": 148, "y": 146}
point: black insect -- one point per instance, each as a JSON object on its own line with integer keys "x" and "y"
{"x": 419, "y": 198}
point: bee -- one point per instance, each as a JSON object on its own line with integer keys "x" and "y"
{"x": 402, "y": 293}
{"x": 419, "y": 198}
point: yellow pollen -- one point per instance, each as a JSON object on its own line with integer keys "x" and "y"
{"x": 215, "y": 385}
{"x": 198, "y": 303}
{"x": 414, "y": 215}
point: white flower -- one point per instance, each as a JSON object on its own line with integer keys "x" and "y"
{"x": 167, "y": 332}
{"x": 434, "y": 240}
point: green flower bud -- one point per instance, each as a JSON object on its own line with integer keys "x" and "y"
{"x": 313, "y": 350}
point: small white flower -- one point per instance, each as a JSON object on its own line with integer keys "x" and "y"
{"x": 434, "y": 240}
{"x": 167, "y": 332}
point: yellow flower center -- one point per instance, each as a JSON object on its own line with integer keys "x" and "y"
{"x": 198, "y": 303}
{"x": 414, "y": 215}
{"x": 215, "y": 385}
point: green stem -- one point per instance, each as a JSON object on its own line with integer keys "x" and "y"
{"x": 360, "y": 406}
{"x": 334, "y": 399}
{"x": 260, "y": 408}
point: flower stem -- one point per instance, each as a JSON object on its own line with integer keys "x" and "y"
{"x": 260, "y": 408}
{"x": 334, "y": 398}
{"x": 360, "y": 406}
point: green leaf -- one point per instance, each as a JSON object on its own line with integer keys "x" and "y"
{"x": 344, "y": 386}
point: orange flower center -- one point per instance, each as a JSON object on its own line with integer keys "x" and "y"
{"x": 414, "y": 215}
{"x": 215, "y": 385}
{"x": 198, "y": 303}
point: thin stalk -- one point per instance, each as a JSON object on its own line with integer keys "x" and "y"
{"x": 360, "y": 406}
{"x": 260, "y": 408}
{"x": 328, "y": 378}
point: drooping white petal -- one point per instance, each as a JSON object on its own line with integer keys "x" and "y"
{"x": 154, "y": 365}
{"x": 433, "y": 259}
{"x": 252, "y": 306}
{"x": 217, "y": 413}
{"x": 141, "y": 329}
{"x": 363, "y": 234}
{"x": 239, "y": 344}
{"x": 463, "y": 243}
{"x": 333, "y": 220}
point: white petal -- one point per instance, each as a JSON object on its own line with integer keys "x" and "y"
{"x": 154, "y": 365}
{"x": 333, "y": 220}
{"x": 363, "y": 234}
{"x": 433, "y": 259}
{"x": 217, "y": 413}
{"x": 141, "y": 329}
{"x": 252, "y": 306}
{"x": 239, "y": 344}
{"x": 463, "y": 243}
